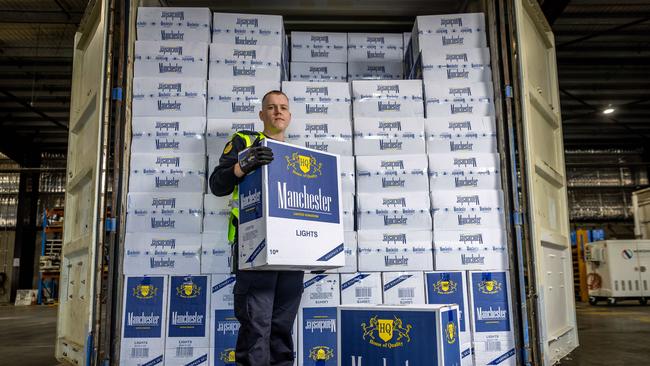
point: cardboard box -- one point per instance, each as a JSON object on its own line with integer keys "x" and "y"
{"x": 333, "y": 146}
{"x": 169, "y": 97}
{"x": 451, "y": 288}
{"x": 317, "y": 318}
{"x": 328, "y": 135}
{"x": 387, "y": 98}
{"x": 469, "y": 64}
{"x": 291, "y": 210}
{"x": 189, "y": 144}
{"x": 475, "y": 200}
{"x": 173, "y": 24}
{"x": 348, "y": 201}
{"x": 170, "y": 59}
{"x": 318, "y": 100}
{"x": 319, "y": 46}
{"x": 387, "y": 70}
{"x": 168, "y": 173}
{"x": 350, "y": 248}
{"x": 237, "y": 100}
{"x": 220, "y": 131}
{"x": 403, "y": 335}
{"x": 188, "y": 337}
{"x": 319, "y": 71}
{"x": 248, "y": 29}
{"x": 361, "y": 288}
{"x": 375, "y": 41}
{"x": 159, "y": 212}
{"x": 438, "y": 125}
{"x": 348, "y": 175}
{"x": 144, "y": 320}
{"x": 399, "y": 136}
{"x": 403, "y": 288}
{"x": 223, "y": 324}
{"x": 216, "y": 213}
{"x": 443, "y": 138}
{"x": 393, "y": 250}
{"x": 395, "y": 210}
{"x": 162, "y": 253}
{"x": 448, "y": 31}
{"x": 482, "y": 249}
{"x": 216, "y": 253}
{"x": 452, "y": 98}
{"x": 363, "y": 53}
{"x": 245, "y": 63}
{"x": 464, "y": 171}
{"x": 459, "y": 210}
{"x": 393, "y": 173}
{"x": 492, "y": 318}
{"x": 167, "y": 126}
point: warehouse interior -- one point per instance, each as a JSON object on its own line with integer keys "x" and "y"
{"x": 603, "y": 66}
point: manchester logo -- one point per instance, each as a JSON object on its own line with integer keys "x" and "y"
{"x": 305, "y": 166}
{"x": 321, "y": 353}
{"x": 391, "y": 332}
{"x": 489, "y": 286}
{"x": 450, "y": 333}
{"x": 445, "y": 287}
{"x": 188, "y": 289}
{"x": 228, "y": 356}
{"x": 145, "y": 291}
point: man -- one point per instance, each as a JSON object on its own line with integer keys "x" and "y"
{"x": 266, "y": 302}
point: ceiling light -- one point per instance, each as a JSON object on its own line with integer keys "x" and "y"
{"x": 608, "y": 110}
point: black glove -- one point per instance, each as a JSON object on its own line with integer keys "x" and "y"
{"x": 255, "y": 157}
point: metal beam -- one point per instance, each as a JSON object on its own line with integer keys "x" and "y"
{"x": 603, "y": 32}
{"x": 28, "y": 106}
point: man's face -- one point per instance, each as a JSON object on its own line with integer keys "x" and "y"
{"x": 275, "y": 113}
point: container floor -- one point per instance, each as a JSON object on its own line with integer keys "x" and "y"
{"x": 609, "y": 335}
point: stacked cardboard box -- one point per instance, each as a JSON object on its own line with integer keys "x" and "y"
{"x": 377, "y": 56}
{"x": 319, "y": 56}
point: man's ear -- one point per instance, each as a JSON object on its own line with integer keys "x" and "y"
{"x": 260, "y": 115}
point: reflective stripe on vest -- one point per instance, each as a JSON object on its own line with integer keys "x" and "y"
{"x": 234, "y": 200}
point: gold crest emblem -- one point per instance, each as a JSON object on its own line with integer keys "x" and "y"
{"x": 305, "y": 166}
{"x": 145, "y": 291}
{"x": 228, "y": 356}
{"x": 391, "y": 332}
{"x": 489, "y": 286}
{"x": 188, "y": 289}
{"x": 450, "y": 332}
{"x": 321, "y": 353}
{"x": 228, "y": 148}
{"x": 445, "y": 286}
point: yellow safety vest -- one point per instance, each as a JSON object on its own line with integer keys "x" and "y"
{"x": 234, "y": 203}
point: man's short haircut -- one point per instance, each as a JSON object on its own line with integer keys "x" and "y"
{"x": 273, "y": 92}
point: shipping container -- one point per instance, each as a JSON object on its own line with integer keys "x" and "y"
{"x": 528, "y": 137}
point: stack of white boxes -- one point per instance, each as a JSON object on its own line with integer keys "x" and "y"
{"x": 449, "y": 53}
{"x": 166, "y": 186}
{"x": 318, "y": 56}
{"x": 375, "y": 56}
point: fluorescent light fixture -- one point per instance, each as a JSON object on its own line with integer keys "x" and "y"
{"x": 608, "y": 110}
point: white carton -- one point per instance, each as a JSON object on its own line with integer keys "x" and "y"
{"x": 470, "y": 64}
{"x": 348, "y": 200}
{"x": 317, "y": 320}
{"x": 173, "y": 24}
{"x": 441, "y": 140}
{"x": 375, "y": 70}
{"x": 170, "y": 58}
{"x": 392, "y": 173}
{"x": 395, "y": 250}
{"x": 144, "y": 320}
{"x": 216, "y": 212}
{"x": 188, "y": 336}
{"x": 452, "y": 98}
{"x": 161, "y": 212}
{"x": 451, "y": 288}
{"x": 361, "y": 288}
{"x": 248, "y": 29}
{"x": 448, "y": 31}
{"x": 467, "y": 210}
{"x": 319, "y": 71}
{"x": 224, "y": 327}
{"x": 490, "y": 304}
{"x": 403, "y": 288}
{"x": 482, "y": 249}
{"x": 387, "y": 98}
{"x": 397, "y": 136}
{"x": 188, "y": 144}
{"x": 162, "y": 253}
{"x": 319, "y": 46}
{"x": 245, "y": 63}
{"x": 339, "y": 146}
{"x": 394, "y": 210}
{"x": 169, "y": 173}
{"x": 169, "y": 97}
{"x": 475, "y": 200}
{"x": 350, "y": 247}
{"x": 348, "y": 175}
{"x": 167, "y": 127}
{"x": 216, "y": 253}
{"x": 370, "y": 54}
{"x": 461, "y": 124}
{"x": 329, "y": 135}
{"x": 290, "y": 214}
{"x": 379, "y": 41}
{"x": 318, "y": 100}
{"x": 220, "y": 131}
{"x": 464, "y": 171}
{"x": 237, "y": 99}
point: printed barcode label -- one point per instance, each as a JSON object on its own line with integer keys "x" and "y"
{"x": 184, "y": 351}
{"x": 492, "y": 346}
{"x": 406, "y": 292}
{"x": 363, "y": 292}
{"x": 320, "y": 295}
{"x": 139, "y": 352}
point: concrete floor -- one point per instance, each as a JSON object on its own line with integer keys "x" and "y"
{"x": 609, "y": 335}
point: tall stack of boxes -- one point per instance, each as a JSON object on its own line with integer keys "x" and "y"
{"x": 449, "y": 53}
{"x": 375, "y": 56}
{"x": 319, "y": 56}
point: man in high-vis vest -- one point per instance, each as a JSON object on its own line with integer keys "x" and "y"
{"x": 266, "y": 302}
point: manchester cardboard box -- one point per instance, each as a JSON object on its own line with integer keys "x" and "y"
{"x": 216, "y": 253}
{"x": 159, "y": 212}
{"x": 401, "y": 335}
{"x": 243, "y": 62}
{"x": 472, "y": 249}
{"x": 224, "y": 327}
{"x": 170, "y": 58}
{"x": 368, "y": 54}
{"x": 173, "y": 24}
{"x": 248, "y": 29}
{"x": 399, "y": 136}
{"x": 375, "y": 41}
{"x": 349, "y": 212}
{"x": 189, "y": 144}
{"x": 216, "y": 211}
{"x": 350, "y": 248}
{"x": 361, "y": 288}
{"x": 395, "y": 250}
{"x": 328, "y": 135}
{"x": 162, "y": 253}
{"x": 394, "y": 210}
{"x": 448, "y": 31}
{"x": 319, "y": 46}
{"x": 387, "y": 98}
{"x": 442, "y": 138}
{"x": 403, "y": 288}
{"x": 317, "y": 320}
{"x": 319, "y": 71}
{"x": 459, "y": 124}
{"x": 144, "y": 320}
{"x": 290, "y": 211}
{"x": 318, "y": 100}
{"x": 468, "y": 171}
{"x": 348, "y": 174}
{"x": 167, "y": 126}
{"x": 460, "y": 210}
{"x": 451, "y": 98}
{"x": 451, "y": 288}
{"x": 393, "y": 173}
{"x": 220, "y": 130}
{"x": 169, "y": 97}
{"x": 375, "y": 70}
{"x": 237, "y": 99}
{"x": 469, "y": 64}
